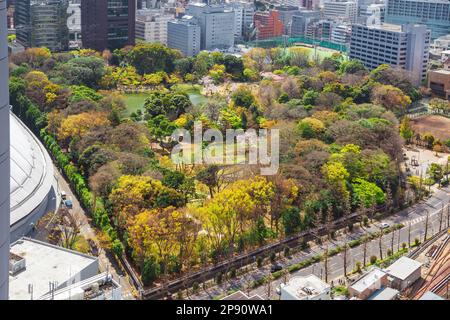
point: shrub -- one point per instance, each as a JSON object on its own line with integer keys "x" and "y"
{"x": 232, "y": 272}
{"x": 416, "y": 241}
{"x": 403, "y": 245}
{"x": 286, "y": 251}
{"x": 195, "y": 286}
{"x": 259, "y": 262}
{"x": 219, "y": 278}
{"x": 389, "y": 252}
{"x": 358, "y": 266}
{"x": 272, "y": 257}
{"x": 150, "y": 271}
{"x": 373, "y": 259}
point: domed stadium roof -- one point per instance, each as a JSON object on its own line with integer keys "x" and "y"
{"x": 31, "y": 171}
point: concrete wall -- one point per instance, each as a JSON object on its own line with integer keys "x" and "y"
{"x": 4, "y": 156}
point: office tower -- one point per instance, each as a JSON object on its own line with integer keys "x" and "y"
{"x": 151, "y": 25}
{"x": 185, "y": 35}
{"x": 268, "y": 25}
{"x": 302, "y": 20}
{"x": 4, "y": 157}
{"x": 405, "y": 46}
{"x": 243, "y": 17}
{"x": 341, "y": 34}
{"x": 42, "y": 23}
{"x": 341, "y": 10}
{"x": 107, "y": 24}
{"x": 216, "y": 25}
{"x": 310, "y": 4}
{"x": 435, "y": 14}
{"x": 74, "y": 24}
{"x": 286, "y": 13}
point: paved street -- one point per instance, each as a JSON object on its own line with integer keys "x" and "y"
{"x": 105, "y": 263}
{"x": 415, "y": 215}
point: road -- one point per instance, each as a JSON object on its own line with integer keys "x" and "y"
{"x": 415, "y": 215}
{"x": 87, "y": 231}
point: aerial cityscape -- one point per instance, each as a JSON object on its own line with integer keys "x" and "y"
{"x": 254, "y": 150}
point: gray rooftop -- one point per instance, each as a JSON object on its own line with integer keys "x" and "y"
{"x": 431, "y": 296}
{"x": 384, "y": 294}
{"x": 403, "y": 268}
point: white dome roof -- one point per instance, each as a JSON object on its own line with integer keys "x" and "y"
{"x": 31, "y": 171}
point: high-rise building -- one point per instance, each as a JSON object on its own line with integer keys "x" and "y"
{"x": 216, "y": 24}
{"x": 268, "y": 24}
{"x": 185, "y": 35}
{"x": 151, "y": 25}
{"x": 42, "y": 23}
{"x": 341, "y": 10}
{"x": 310, "y": 4}
{"x": 302, "y": 20}
{"x": 107, "y": 24}
{"x": 286, "y": 13}
{"x": 4, "y": 157}
{"x": 243, "y": 17}
{"x": 74, "y": 24}
{"x": 341, "y": 34}
{"x": 405, "y": 46}
{"x": 435, "y": 14}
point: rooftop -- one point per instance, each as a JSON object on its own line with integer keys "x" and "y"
{"x": 431, "y": 296}
{"x": 384, "y": 294}
{"x": 368, "y": 279}
{"x": 239, "y": 295}
{"x": 31, "y": 171}
{"x": 45, "y": 263}
{"x": 307, "y": 286}
{"x": 403, "y": 268}
{"x": 99, "y": 287}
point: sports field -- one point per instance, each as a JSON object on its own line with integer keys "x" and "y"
{"x": 438, "y": 126}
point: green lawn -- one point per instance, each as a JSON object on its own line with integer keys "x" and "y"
{"x": 135, "y": 101}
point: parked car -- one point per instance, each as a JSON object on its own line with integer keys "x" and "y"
{"x": 94, "y": 248}
{"x": 276, "y": 267}
{"x": 68, "y": 203}
{"x": 384, "y": 225}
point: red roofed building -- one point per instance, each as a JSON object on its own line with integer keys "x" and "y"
{"x": 268, "y": 25}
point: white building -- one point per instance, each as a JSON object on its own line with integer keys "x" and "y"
{"x": 440, "y": 44}
{"x": 368, "y": 283}
{"x": 185, "y": 35}
{"x": 306, "y": 288}
{"x": 341, "y": 10}
{"x": 216, "y": 25}
{"x": 37, "y": 268}
{"x": 151, "y": 25}
{"x": 404, "y": 46}
{"x": 341, "y": 34}
{"x": 243, "y": 17}
{"x": 74, "y": 24}
{"x": 403, "y": 273}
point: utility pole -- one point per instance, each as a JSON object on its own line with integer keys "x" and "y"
{"x": 392, "y": 242}
{"x": 380, "y": 244}
{"x": 441, "y": 216}
{"x": 325, "y": 255}
{"x": 409, "y": 235}
{"x": 398, "y": 240}
{"x": 365, "y": 250}
{"x": 426, "y": 225}
{"x": 345, "y": 258}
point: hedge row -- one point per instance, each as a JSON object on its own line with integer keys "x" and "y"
{"x": 35, "y": 120}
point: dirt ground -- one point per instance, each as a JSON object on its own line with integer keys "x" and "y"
{"x": 436, "y": 125}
